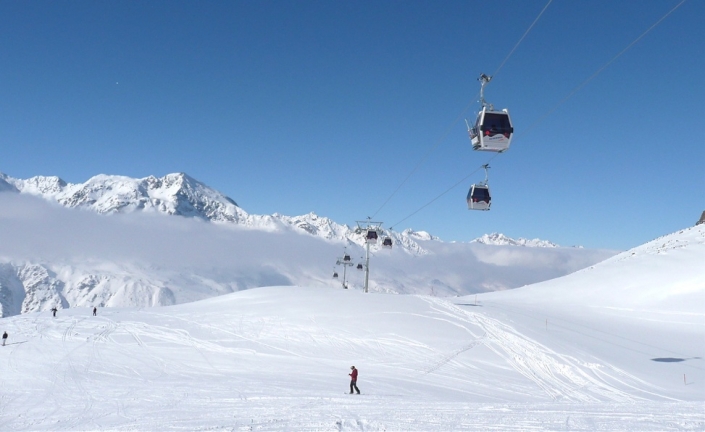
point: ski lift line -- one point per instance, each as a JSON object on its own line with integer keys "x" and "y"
{"x": 462, "y": 114}
{"x": 426, "y": 156}
{"x": 575, "y": 90}
{"x": 598, "y": 71}
{"x": 522, "y": 38}
{"x": 447, "y": 190}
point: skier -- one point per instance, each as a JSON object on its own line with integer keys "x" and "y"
{"x": 4, "y": 338}
{"x": 53, "y": 311}
{"x": 353, "y": 380}
{"x": 95, "y": 310}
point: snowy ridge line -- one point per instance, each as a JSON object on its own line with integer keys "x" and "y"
{"x": 687, "y": 237}
{"x": 178, "y": 194}
{"x": 501, "y": 239}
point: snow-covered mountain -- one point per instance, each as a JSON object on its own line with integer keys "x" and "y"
{"x": 174, "y": 194}
{"x": 57, "y": 255}
{"x": 181, "y": 195}
{"x": 501, "y": 239}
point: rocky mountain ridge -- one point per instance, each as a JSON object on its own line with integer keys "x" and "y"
{"x": 179, "y": 194}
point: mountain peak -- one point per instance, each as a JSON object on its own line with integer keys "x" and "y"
{"x": 499, "y": 239}
{"x": 181, "y": 195}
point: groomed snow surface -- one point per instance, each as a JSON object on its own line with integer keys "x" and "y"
{"x": 595, "y": 350}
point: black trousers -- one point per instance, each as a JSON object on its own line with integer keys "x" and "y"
{"x": 353, "y": 383}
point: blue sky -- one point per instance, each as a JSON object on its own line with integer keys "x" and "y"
{"x": 323, "y": 106}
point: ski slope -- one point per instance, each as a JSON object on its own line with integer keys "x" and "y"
{"x": 277, "y": 358}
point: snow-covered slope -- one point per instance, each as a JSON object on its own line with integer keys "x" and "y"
{"x": 676, "y": 277}
{"x": 544, "y": 357}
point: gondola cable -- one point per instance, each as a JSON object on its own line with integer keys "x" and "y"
{"x": 575, "y": 90}
{"x": 462, "y": 115}
{"x": 597, "y": 72}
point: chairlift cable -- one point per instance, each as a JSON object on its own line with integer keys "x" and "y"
{"x": 521, "y": 39}
{"x": 423, "y": 159}
{"x": 446, "y": 191}
{"x": 462, "y": 114}
{"x": 575, "y": 90}
{"x": 598, "y": 71}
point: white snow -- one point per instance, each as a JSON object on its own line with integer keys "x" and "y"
{"x": 619, "y": 346}
{"x": 501, "y": 239}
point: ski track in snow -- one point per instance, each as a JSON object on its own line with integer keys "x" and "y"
{"x": 178, "y": 371}
{"x": 562, "y": 377}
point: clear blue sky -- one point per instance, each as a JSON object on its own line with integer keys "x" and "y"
{"x": 327, "y": 106}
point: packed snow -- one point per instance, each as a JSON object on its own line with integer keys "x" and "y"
{"x": 618, "y": 346}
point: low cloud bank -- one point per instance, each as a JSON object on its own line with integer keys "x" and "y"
{"x": 189, "y": 253}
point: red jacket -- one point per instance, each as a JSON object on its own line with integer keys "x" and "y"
{"x": 353, "y": 375}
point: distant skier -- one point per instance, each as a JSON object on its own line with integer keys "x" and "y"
{"x": 353, "y": 380}
{"x": 53, "y": 311}
{"x": 4, "y": 338}
{"x": 95, "y": 310}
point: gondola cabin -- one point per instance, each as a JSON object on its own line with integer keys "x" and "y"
{"x": 359, "y": 266}
{"x": 335, "y": 275}
{"x": 493, "y": 131}
{"x": 479, "y": 197}
{"x": 346, "y": 258}
{"x": 371, "y": 237}
{"x": 387, "y": 242}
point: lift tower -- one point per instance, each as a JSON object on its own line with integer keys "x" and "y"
{"x": 372, "y": 231}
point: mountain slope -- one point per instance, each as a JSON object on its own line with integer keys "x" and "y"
{"x": 673, "y": 257}
{"x": 181, "y": 195}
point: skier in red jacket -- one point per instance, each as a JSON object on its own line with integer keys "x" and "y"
{"x": 353, "y": 380}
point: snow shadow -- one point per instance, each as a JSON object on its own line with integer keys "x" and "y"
{"x": 14, "y": 343}
{"x": 674, "y": 359}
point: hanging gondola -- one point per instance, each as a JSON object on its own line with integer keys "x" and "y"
{"x": 479, "y": 197}
{"x": 371, "y": 237}
{"x": 359, "y": 267}
{"x": 346, "y": 258}
{"x": 493, "y": 130}
{"x": 387, "y": 242}
{"x": 335, "y": 275}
